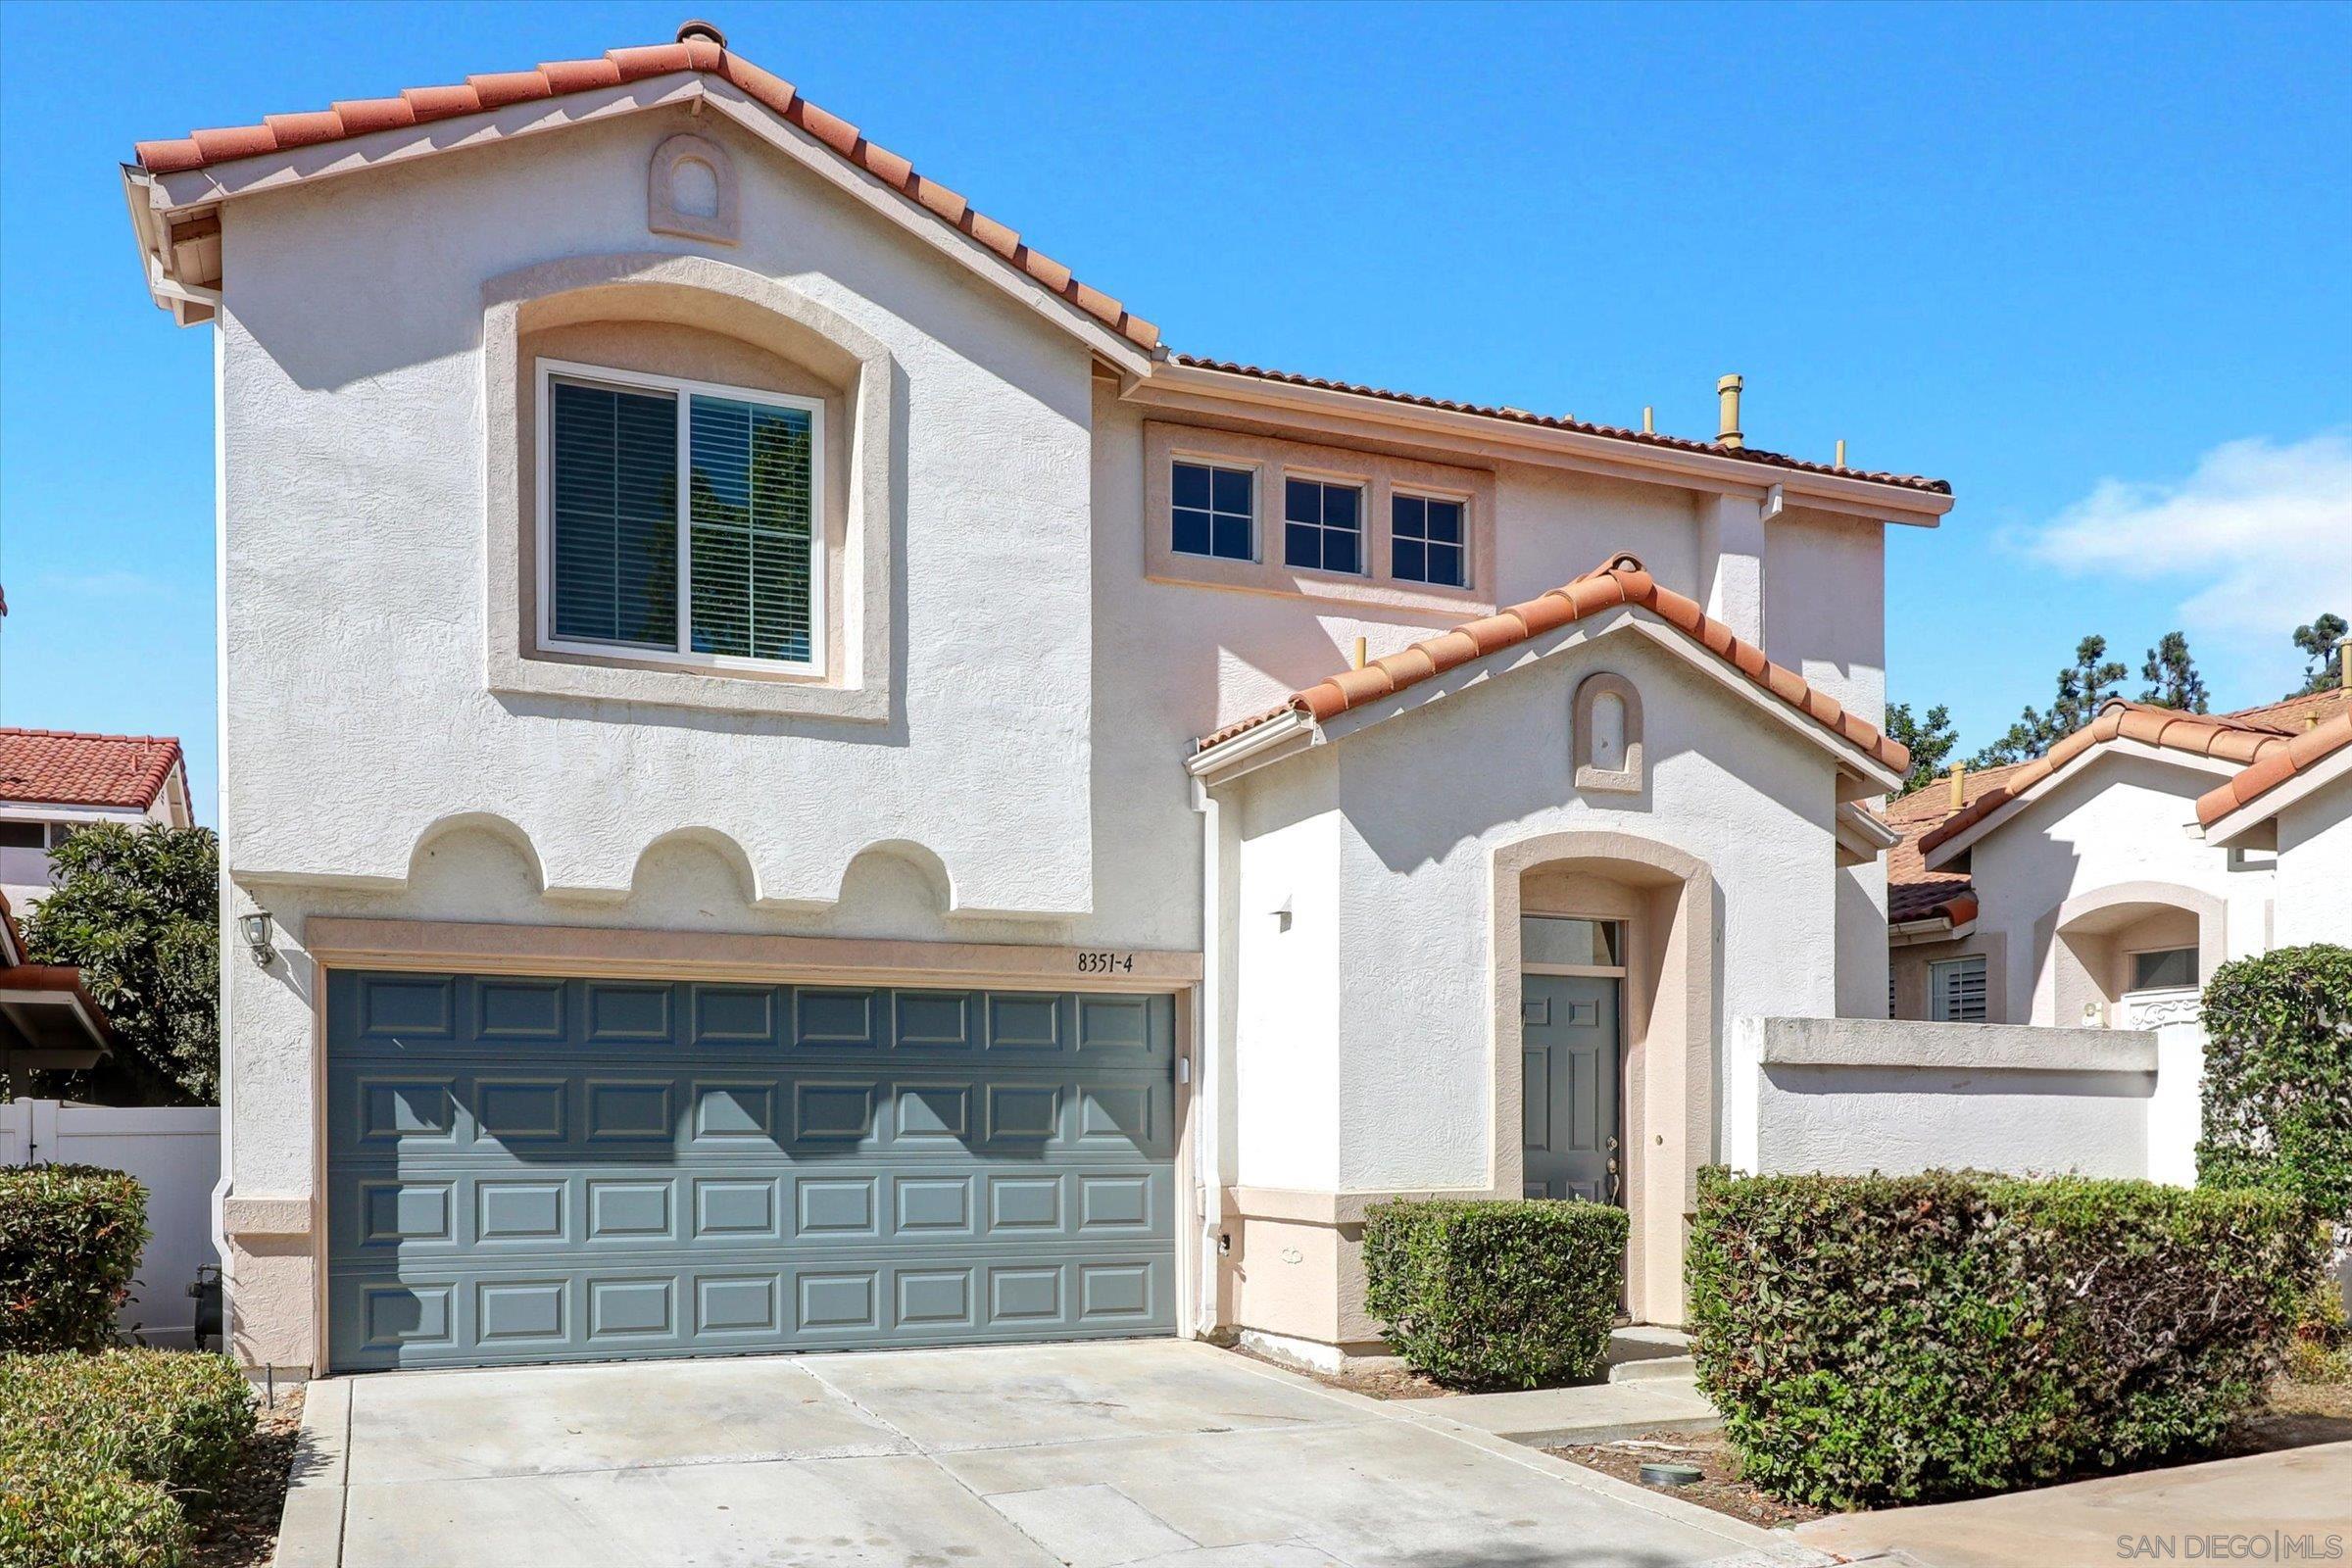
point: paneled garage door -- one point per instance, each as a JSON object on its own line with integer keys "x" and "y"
{"x": 541, "y": 1170}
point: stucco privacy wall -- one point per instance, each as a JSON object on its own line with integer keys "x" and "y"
{"x": 1851, "y": 1095}
{"x": 2115, "y": 820}
{"x": 355, "y": 480}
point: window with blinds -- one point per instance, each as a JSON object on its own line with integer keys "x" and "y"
{"x": 681, "y": 519}
{"x": 1956, "y": 990}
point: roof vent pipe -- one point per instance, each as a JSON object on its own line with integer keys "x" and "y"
{"x": 697, "y": 29}
{"x": 1959, "y": 785}
{"x": 1727, "y": 391}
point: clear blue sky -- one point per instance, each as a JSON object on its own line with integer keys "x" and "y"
{"x": 2092, "y": 263}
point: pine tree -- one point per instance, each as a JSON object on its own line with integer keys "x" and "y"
{"x": 1930, "y": 740}
{"x": 2172, "y": 675}
{"x": 2083, "y": 687}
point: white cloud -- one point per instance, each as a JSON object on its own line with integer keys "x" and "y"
{"x": 2259, "y": 538}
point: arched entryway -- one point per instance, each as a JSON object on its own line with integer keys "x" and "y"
{"x": 2134, "y": 955}
{"x": 1587, "y": 923}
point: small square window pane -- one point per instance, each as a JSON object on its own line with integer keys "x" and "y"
{"x": 1232, "y": 538}
{"x": 1190, "y": 536}
{"x": 1409, "y": 559}
{"x": 2171, "y": 969}
{"x": 1445, "y": 565}
{"x": 1338, "y": 551}
{"x": 1446, "y": 522}
{"x": 1302, "y": 546}
{"x": 1233, "y": 490}
{"x": 1552, "y": 939}
{"x": 1408, "y": 517}
{"x": 1302, "y": 501}
{"x": 1191, "y": 485}
{"x": 1342, "y": 506}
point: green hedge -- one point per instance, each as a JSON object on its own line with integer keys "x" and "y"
{"x": 2279, "y": 1077}
{"x": 58, "y": 1513}
{"x": 1497, "y": 1295}
{"x": 70, "y": 1241}
{"x": 102, "y": 1457}
{"x": 1892, "y": 1339}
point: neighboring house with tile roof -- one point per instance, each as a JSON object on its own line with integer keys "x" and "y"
{"x": 814, "y": 785}
{"x": 55, "y": 781}
{"x": 2104, "y": 880}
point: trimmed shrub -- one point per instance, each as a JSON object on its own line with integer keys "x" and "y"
{"x": 2278, "y": 1078}
{"x": 70, "y": 1241}
{"x": 167, "y": 1416}
{"x": 1497, "y": 1293}
{"x": 1876, "y": 1340}
{"x": 57, "y": 1512}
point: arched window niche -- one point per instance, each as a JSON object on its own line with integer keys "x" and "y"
{"x": 1607, "y": 735}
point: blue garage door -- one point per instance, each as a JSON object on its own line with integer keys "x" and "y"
{"x": 546, "y": 1170}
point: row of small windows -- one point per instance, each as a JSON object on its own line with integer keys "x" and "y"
{"x": 1215, "y": 514}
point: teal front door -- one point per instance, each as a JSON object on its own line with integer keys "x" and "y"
{"x": 1568, "y": 1028}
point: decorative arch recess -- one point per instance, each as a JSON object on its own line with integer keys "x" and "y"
{"x": 1607, "y": 734}
{"x": 719, "y": 297}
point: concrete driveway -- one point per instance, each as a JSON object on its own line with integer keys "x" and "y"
{"x": 1159, "y": 1451}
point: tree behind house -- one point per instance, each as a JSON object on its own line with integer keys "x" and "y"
{"x": 2082, "y": 688}
{"x": 2323, "y": 644}
{"x": 2172, "y": 675}
{"x": 137, "y": 910}
{"x": 1930, "y": 740}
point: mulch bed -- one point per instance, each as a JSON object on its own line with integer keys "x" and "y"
{"x": 240, "y": 1530}
{"x": 1719, "y": 1487}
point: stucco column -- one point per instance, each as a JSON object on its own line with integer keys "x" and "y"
{"x": 1730, "y": 564}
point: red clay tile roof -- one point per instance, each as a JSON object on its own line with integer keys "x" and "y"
{"x": 1906, "y": 481}
{"x": 1623, "y": 581}
{"x": 2292, "y": 716}
{"x": 2200, "y": 734}
{"x": 60, "y": 767}
{"x": 695, "y": 51}
{"x": 1913, "y": 892}
{"x": 2275, "y": 767}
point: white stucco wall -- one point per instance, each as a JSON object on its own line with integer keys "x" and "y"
{"x": 1852, "y": 1095}
{"x": 2113, "y": 820}
{"x": 2315, "y": 868}
{"x": 1420, "y": 802}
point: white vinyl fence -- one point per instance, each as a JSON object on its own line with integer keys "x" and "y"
{"x": 176, "y": 1151}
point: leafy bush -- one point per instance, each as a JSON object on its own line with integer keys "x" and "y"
{"x": 1497, "y": 1295}
{"x": 2279, "y": 1077}
{"x": 69, "y": 1239}
{"x": 57, "y": 1512}
{"x": 165, "y": 1416}
{"x": 101, "y": 1456}
{"x": 1889, "y": 1339}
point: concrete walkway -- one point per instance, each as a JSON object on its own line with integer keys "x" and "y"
{"x": 2265, "y": 1502}
{"x": 1157, "y": 1452}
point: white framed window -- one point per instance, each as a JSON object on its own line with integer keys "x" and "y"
{"x": 1212, "y": 511}
{"x": 1322, "y": 524}
{"x": 2164, "y": 969}
{"x": 1429, "y": 539}
{"x": 1956, "y": 990}
{"x": 680, "y": 521}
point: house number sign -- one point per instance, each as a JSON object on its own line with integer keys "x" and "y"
{"x": 1106, "y": 963}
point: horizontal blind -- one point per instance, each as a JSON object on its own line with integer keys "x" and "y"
{"x": 614, "y": 507}
{"x": 750, "y": 502}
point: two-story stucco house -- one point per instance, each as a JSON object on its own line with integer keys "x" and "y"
{"x": 814, "y": 785}
{"x": 2103, "y": 882}
{"x": 54, "y": 782}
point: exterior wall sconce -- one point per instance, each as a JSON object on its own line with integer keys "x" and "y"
{"x": 254, "y": 929}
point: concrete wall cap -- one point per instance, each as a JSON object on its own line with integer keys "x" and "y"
{"x": 1905, "y": 1042}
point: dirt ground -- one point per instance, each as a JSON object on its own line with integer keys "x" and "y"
{"x": 1399, "y": 1384}
{"x": 240, "y": 1530}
